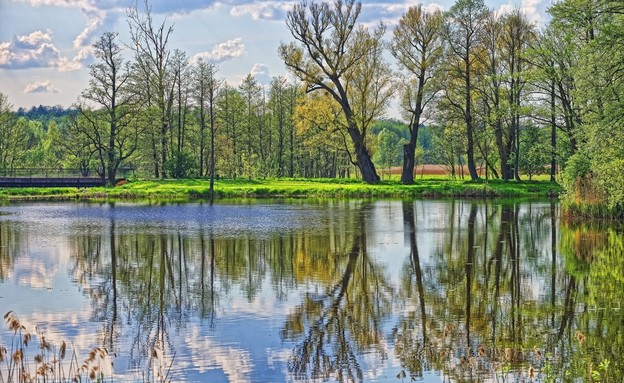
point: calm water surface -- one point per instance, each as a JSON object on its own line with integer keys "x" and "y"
{"x": 358, "y": 290}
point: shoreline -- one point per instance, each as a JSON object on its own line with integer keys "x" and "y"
{"x": 198, "y": 189}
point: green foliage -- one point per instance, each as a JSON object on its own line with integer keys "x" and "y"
{"x": 388, "y": 151}
{"x": 535, "y": 151}
{"x": 397, "y": 127}
{"x": 181, "y": 165}
{"x": 578, "y": 166}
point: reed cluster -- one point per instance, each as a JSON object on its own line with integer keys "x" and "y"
{"x": 32, "y": 358}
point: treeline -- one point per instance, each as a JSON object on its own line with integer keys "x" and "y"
{"x": 496, "y": 93}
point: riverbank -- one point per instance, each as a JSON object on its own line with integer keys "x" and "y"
{"x": 292, "y": 188}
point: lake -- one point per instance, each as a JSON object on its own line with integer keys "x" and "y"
{"x": 305, "y": 290}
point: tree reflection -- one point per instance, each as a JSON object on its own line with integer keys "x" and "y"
{"x": 334, "y": 327}
{"x": 12, "y": 246}
{"x": 411, "y": 344}
{"x": 480, "y": 322}
{"x": 483, "y": 291}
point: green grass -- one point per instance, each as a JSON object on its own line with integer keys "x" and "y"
{"x": 293, "y": 188}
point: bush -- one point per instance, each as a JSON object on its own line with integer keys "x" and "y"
{"x": 181, "y": 165}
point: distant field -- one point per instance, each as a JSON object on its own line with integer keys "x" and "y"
{"x": 443, "y": 171}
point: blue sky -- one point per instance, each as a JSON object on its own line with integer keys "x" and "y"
{"x": 45, "y": 44}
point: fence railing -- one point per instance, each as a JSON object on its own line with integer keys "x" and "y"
{"x": 60, "y": 173}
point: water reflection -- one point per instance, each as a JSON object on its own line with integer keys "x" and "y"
{"x": 323, "y": 291}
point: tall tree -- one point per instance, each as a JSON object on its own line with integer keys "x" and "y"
{"x": 13, "y": 136}
{"x": 110, "y": 129}
{"x": 329, "y": 49}
{"x": 181, "y": 75}
{"x": 593, "y": 174}
{"x": 417, "y": 46}
{"x": 152, "y": 54}
{"x": 280, "y": 104}
{"x": 206, "y": 91}
{"x": 230, "y": 119}
{"x": 517, "y": 34}
{"x": 462, "y": 33}
{"x": 251, "y": 91}
{"x": 324, "y": 144}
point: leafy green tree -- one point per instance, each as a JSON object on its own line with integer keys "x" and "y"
{"x": 155, "y": 78}
{"x": 230, "y": 109}
{"x": 252, "y": 129}
{"x": 463, "y": 35}
{"x": 388, "y": 149}
{"x": 13, "y": 136}
{"x": 281, "y": 105}
{"x": 448, "y": 147}
{"x": 78, "y": 151}
{"x": 535, "y": 149}
{"x": 111, "y": 129}
{"x": 417, "y": 45}
{"x": 594, "y": 40}
{"x": 318, "y": 121}
{"x": 334, "y": 55}
{"x": 206, "y": 92}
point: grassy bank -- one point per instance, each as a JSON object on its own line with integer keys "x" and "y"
{"x": 326, "y": 188}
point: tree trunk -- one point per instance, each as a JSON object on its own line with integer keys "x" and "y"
{"x": 212, "y": 147}
{"x": 553, "y": 134}
{"x": 163, "y": 150}
{"x": 472, "y": 168}
{"x": 407, "y": 175}
{"x": 363, "y": 158}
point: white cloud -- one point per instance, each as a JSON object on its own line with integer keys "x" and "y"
{"x": 97, "y": 19}
{"x": 262, "y": 10}
{"x": 228, "y": 50}
{"x": 530, "y": 9}
{"x": 261, "y": 73}
{"x": 31, "y": 51}
{"x": 41, "y": 87}
{"x": 5, "y": 54}
{"x": 390, "y": 13}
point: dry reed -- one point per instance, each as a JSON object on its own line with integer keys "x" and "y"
{"x": 50, "y": 364}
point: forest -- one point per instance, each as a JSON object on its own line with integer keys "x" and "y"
{"x": 477, "y": 89}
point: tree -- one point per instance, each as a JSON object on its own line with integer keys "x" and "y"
{"x": 206, "y": 91}
{"x": 152, "y": 56}
{"x": 13, "y": 136}
{"x": 230, "y": 113}
{"x": 330, "y": 54}
{"x": 251, "y": 91}
{"x": 536, "y": 153}
{"x": 387, "y": 153}
{"x": 517, "y": 34}
{"x": 598, "y": 86}
{"x": 79, "y": 151}
{"x": 282, "y": 98}
{"x": 324, "y": 144}
{"x": 111, "y": 128}
{"x": 417, "y": 45}
{"x": 462, "y": 33}
{"x": 181, "y": 75}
